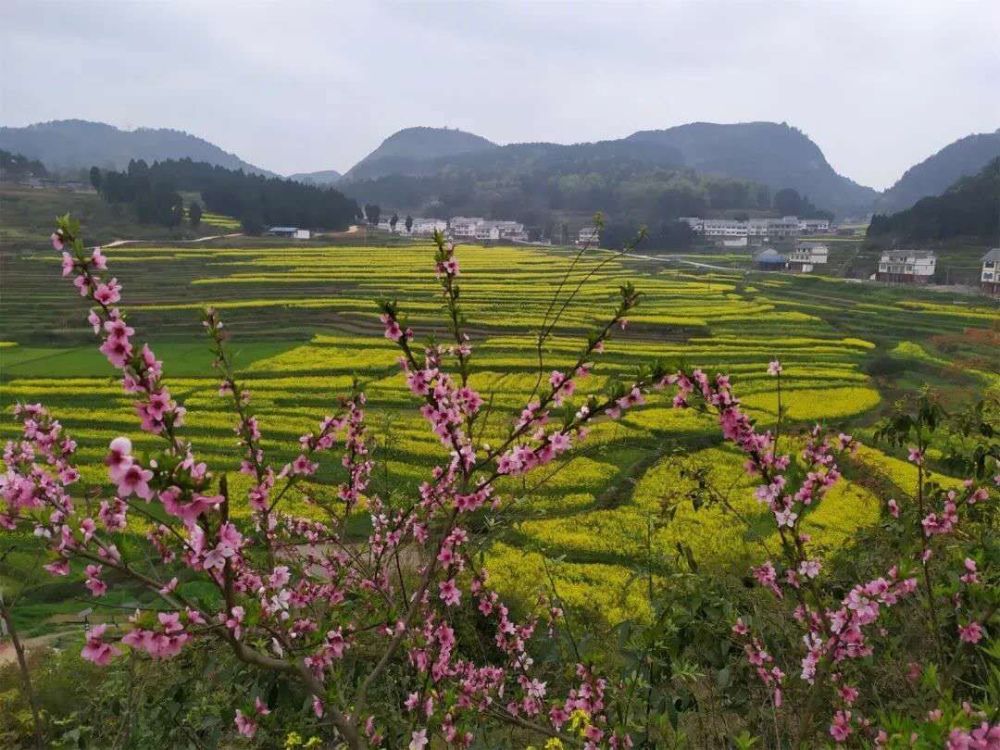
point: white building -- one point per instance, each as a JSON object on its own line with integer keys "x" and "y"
{"x": 989, "y": 281}
{"x": 293, "y": 232}
{"x": 421, "y": 227}
{"x": 808, "y": 255}
{"x": 907, "y": 266}
{"x": 768, "y": 228}
{"x": 478, "y": 228}
{"x": 786, "y": 226}
{"x": 464, "y": 227}
{"x": 589, "y": 237}
{"x": 814, "y": 226}
{"x": 426, "y": 227}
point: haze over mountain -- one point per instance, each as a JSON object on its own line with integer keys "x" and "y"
{"x": 80, "y": 144}
{"x": 322, "y": 178}
{"x": 936, "y": 173}
{"x": 773, "y": 154}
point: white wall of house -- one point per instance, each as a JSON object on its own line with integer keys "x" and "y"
{"x": 908, "y": 263}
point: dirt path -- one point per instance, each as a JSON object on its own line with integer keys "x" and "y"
{"x": 119, "y": 243}
{"x": 673, "y": 259}
{"x": 8, "y": 657}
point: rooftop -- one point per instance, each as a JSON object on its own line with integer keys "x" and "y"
{"x": 993, "y": 254}
{"x": 769, "y": 256}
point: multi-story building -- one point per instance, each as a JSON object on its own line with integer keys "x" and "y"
{"x": 814, "y": 226}
{"x": 589, "y": 237}
{"x": 907, "y": 266}
{"x": 807, "y": 255}
{"x": 767, "y": 228}
{"x": 464, "y": 227}
{"x": 426, "y": 227}
{"x": 478, "y": 228}
{"x": 786, "y": 226}
{"x": 989, "y": 280}
{"x": 724, "y": 228}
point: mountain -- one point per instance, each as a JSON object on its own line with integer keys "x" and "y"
{"x": 547, "y": 185}
{"x": 936, "y": 173}
{"x": 773, "y": 154}
{"x": 323, "y": 178}
{"x": 970, "y": 208}
{"x": 79, "y": 144}
{"x": 407, "y": 151}
{"x": 769, "y": 154}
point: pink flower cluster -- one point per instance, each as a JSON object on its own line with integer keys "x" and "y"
{"x": 298, "y": 596}
{"x": 832, "y": 635}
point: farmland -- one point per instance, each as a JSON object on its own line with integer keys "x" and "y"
{"x": 304, "y": 324}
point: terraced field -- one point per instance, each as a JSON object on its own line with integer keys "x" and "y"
{"x": 304, "y": 323}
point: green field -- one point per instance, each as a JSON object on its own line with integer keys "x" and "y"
{"x": 304, "y": 323}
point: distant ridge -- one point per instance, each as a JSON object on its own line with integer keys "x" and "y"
{"x": 969, "y": 208}
{"x": 80, "y": 144}
{"x": 770, "y": 153}
{"x": 409, "y": 150}
{"x": 936, "y": 173}
{"x": 321, "y": 178}
{"x": 766, "y": 153}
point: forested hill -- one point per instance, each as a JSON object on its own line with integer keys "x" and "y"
{"x": 936, "y": 173}
{"x": 773, "y": 154}
{"x": 414, "y": 150}
{"x": 628, "y": 176}
{"x": 16, "y": 167}
{"x": 970, "y": 208}
{"x": 79, "y": 144}
{"x": 258, "y": 201}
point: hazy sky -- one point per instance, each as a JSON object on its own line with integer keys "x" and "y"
{"x": 302, "y": 86}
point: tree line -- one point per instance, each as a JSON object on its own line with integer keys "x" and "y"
{"x": 15, "y": 167}
{"x": 969, "y": 208}
{"x": 153, "y": 191}
{"x": 542, "y": 199}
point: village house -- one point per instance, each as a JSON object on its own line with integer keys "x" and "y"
{"x": 589, "y": 237}
{"x": 478, "y": 228}
{"x": 766, "y": 228}
{"x": 292, "y": 232}
{"x": 464, "y": 227}
{"x": 814, "y": 226}
{"x": 426, "y": 227}
{"x": 989, "y": 281}
{"x": 906, "y": 266}
{"x": 421, "y": 227}
{"x": 808, "y": 255}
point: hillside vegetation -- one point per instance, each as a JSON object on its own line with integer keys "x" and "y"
{"x": 638, "y": 545}
{"x": 938, "y": 172}
{"x": 625, "y": 177}
{"x": 256, "y": 200}
{"x": 409, "y": 151}
{"x": 970, "y": 208}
